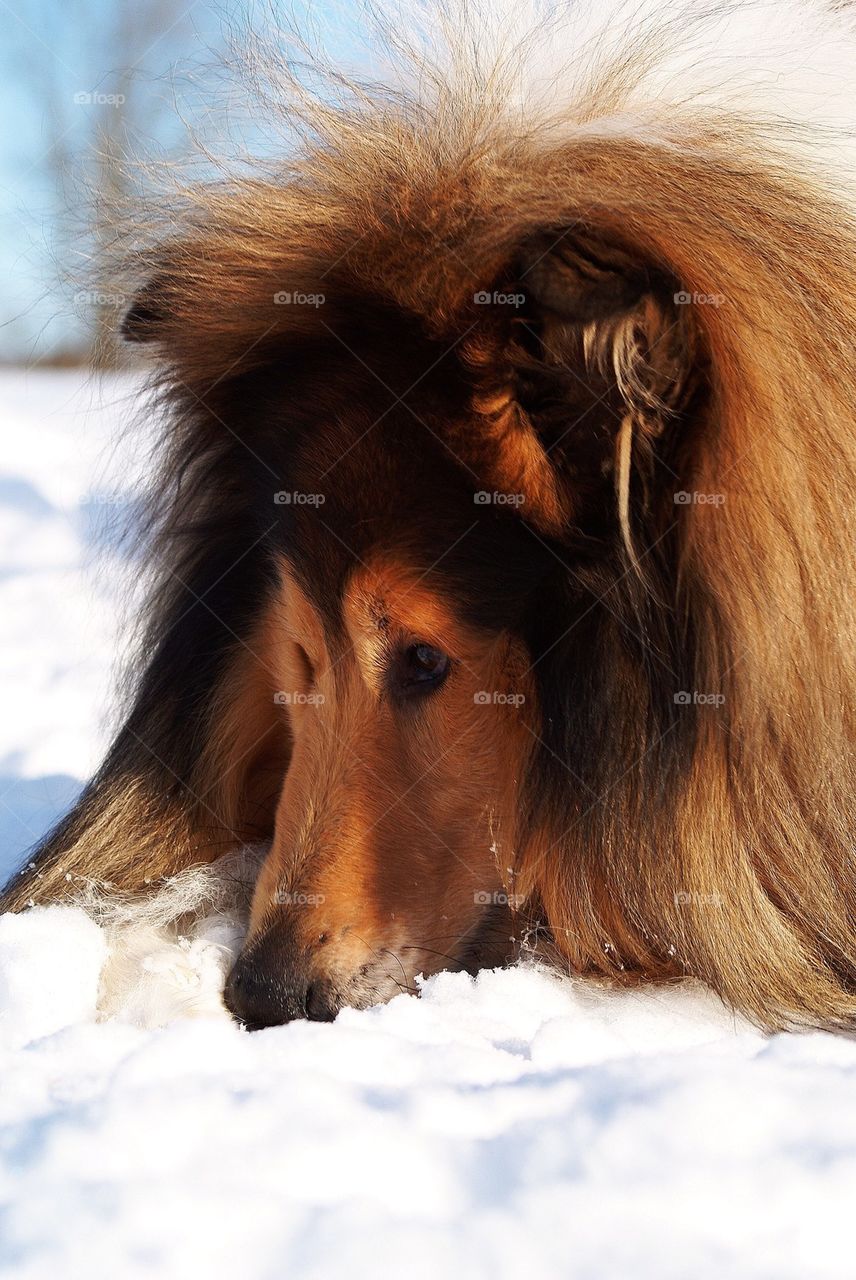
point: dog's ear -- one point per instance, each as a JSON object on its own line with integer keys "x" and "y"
{"x": 588, "y": 356}
{"x": 209, "y": 307}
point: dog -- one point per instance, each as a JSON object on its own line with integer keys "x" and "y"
{"x": 503, "y": 532}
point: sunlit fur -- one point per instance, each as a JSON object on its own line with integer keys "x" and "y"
{"x": 650, "y": 838}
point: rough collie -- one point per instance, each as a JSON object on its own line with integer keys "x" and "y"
{"x": 503, "y": 530}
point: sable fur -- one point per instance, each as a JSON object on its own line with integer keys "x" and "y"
{"x": 658, "y": 840}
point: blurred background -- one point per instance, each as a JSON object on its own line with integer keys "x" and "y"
{"x": 91, "y": 93}
{"x": 85, "y": 85}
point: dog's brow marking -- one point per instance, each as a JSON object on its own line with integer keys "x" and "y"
{"x": 369, "y": 570}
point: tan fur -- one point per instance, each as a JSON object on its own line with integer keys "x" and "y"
{"x": 747, "y": 879}
{"x": 389, "y": 838}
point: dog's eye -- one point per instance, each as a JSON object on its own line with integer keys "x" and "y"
{"x": 421, "y": 668}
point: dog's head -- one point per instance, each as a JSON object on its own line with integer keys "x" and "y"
{"x": 440, "y": 510}
{"x": 485, "y": 644}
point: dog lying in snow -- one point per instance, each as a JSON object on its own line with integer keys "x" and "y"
{"x": 504, "y": 524}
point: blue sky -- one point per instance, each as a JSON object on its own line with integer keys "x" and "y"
{"x": 52, "y": 52}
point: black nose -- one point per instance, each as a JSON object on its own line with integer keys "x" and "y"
{"x": 262, "y": 995}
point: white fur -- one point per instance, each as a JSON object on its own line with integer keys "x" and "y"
{"x": 786, "y": 66}
{"x": 168, "y": 954}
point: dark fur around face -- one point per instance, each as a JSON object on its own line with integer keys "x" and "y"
{"x": 662, "y": 784}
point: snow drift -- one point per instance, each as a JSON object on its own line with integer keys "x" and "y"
{"x": 511, "y": 1124}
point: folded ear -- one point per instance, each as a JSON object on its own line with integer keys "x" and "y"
{"x": 210, "y": 304}
{"x": 585, "y": 363}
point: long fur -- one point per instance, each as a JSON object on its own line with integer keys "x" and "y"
{"x": 714, "y": 141}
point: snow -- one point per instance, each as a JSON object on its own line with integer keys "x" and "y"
{"x": 515, "y": 1124}
{"x": 60, "y": 588}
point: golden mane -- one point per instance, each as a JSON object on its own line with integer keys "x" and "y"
{"x": 418, "y": 200}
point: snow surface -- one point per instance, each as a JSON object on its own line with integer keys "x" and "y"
{"x": 517, "y": 1124}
